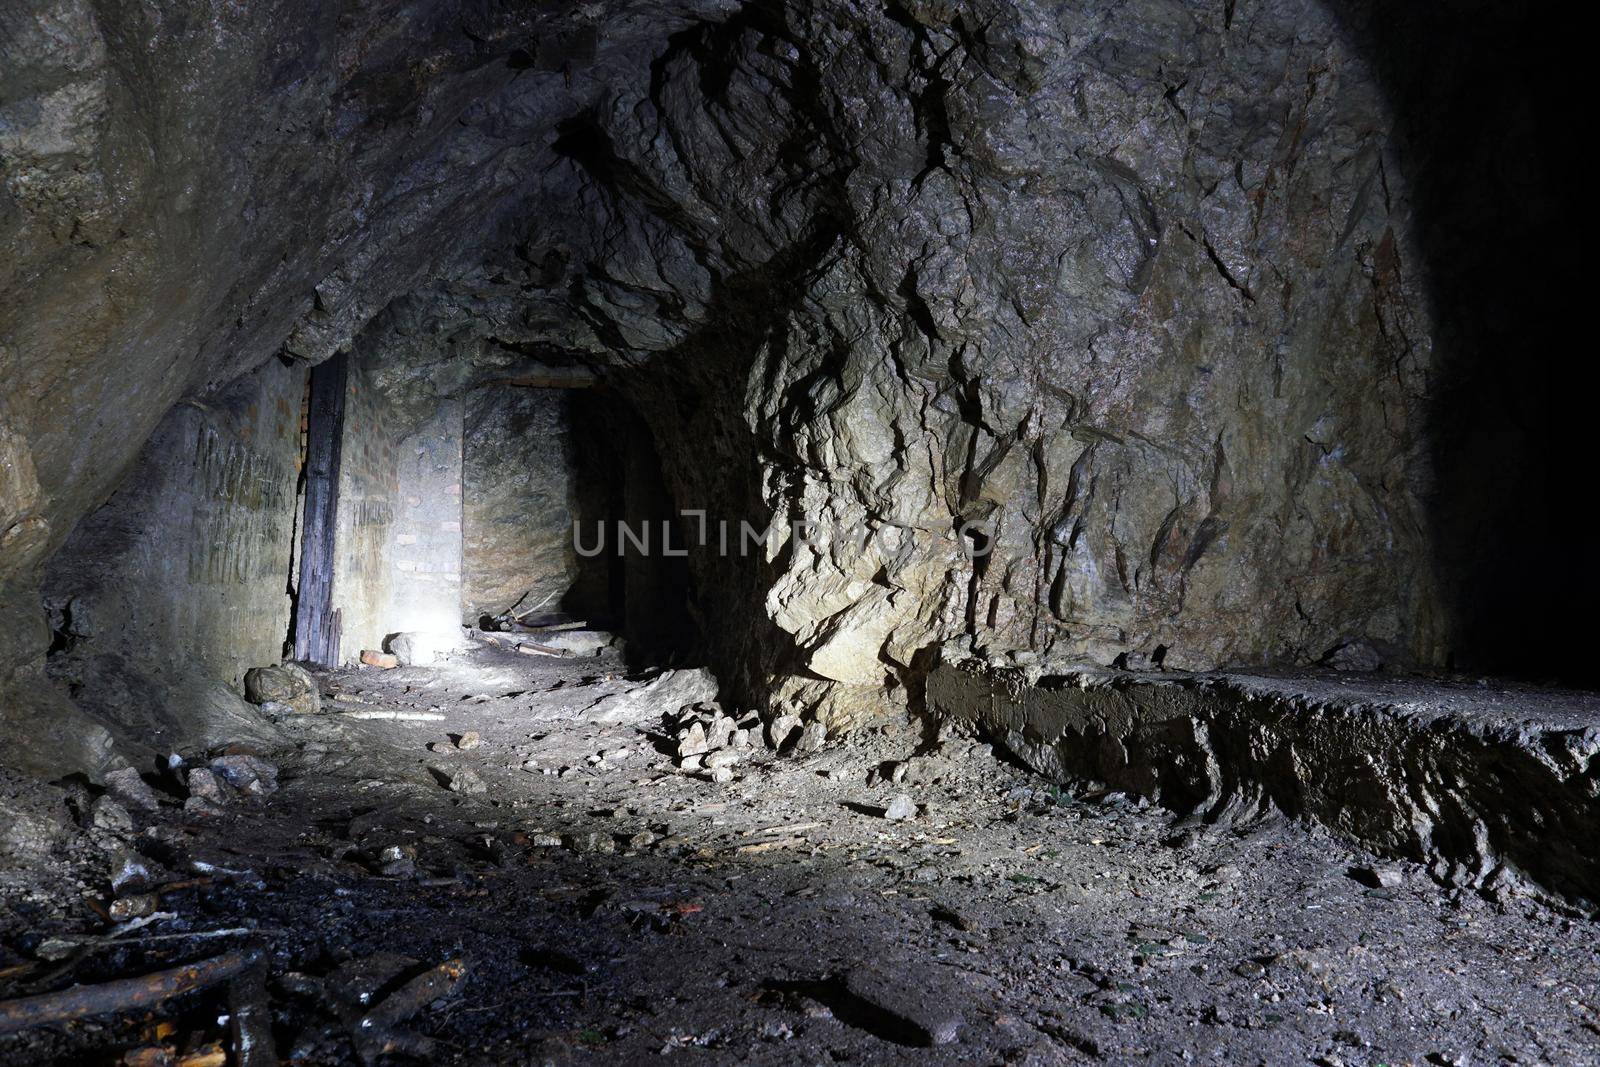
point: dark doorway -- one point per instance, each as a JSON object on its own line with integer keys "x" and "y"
{"x": 630, "y": 571}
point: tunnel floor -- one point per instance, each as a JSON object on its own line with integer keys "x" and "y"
{"x": 613, "y": 909}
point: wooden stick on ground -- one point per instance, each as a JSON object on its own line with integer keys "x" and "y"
{"x": 529, "y": 648}
{"x": 250, "y": 1018}
{"x": 123, "y": 994}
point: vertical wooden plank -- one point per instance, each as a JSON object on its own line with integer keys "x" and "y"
{"x": 316, "y": 632}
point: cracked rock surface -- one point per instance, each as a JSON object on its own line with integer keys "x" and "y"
{"x": 1133, "y": 286}
{"x": 1490, "y": 785}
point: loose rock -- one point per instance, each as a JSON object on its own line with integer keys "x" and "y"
{"x": 900, "y": 807}
{"x": 130, "y": 789}
{"x": 250, "y": 775}
{"x": 812, "y": 737}
{"x": 930, "y": 1015}
{"x": 205, "y": 784}
{"x": 780, "y": 731}
{"x": 288, "y": 684}
{"x": 460, "y": 780}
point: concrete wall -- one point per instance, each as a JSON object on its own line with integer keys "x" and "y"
{"x": 426, "y": 576}
{"x": 369, "y": 491}
{"x": 182, "y": 576}
{"x": 398, "y": 539}
{"x": 519, "y": 488}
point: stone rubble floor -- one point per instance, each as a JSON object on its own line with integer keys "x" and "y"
{"x": 625, "y": 912}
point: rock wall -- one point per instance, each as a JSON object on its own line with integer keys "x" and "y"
{"x": 369, "y": 501}
{"x": 1136, "y": 292}
{"x": 518, "y": 501}
{"x": 1138, "y": 286}
{"x": 164, "y": 596}
{"x": 426, "y": 582}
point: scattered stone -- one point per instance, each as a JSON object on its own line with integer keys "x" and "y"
{"x": 107, "y": 814}
{"x": 723, "y": 757}
{"x": 722, "y": 775}
{"x": 668, "y": 691}
{"x": 129, "y": 870}
{"x": 460, "y": 779}
{"x": 469, "y": 741}
{"x": 589, "y": 841}
{"x": 929, "y": 1015}
{"x": 288, "y": 684}
{"x": 398, "y": 861}
{"x": 642, "y": 839}
{"x": 136, "y": 906}
{"x": 54, "y": 949}
{"x": 251, "y": 775}
{"x": 1378, "y": 877}
{"x": 780, "y": 730}
{"x": 207, "y": 785}
{"x": 442, "y": 747}
{"x": 418, "y": 649}
{"x": 740, "y": 738}
{"x": 692, "y": 741}
{"x": 382, "y": 660}
{"x": 404, "y": 867}
{"x": 900, "y": 807}
{"x": 812, "y": 737}
{"x": 721, "y": 731}
{"x": 129, "y": 788}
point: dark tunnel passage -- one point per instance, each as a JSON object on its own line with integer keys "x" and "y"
{"x": 1480, "y": 96}
{"x": 797, "y": 531}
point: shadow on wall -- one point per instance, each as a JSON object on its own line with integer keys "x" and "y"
{"x": 644, "y": 591}
{"x": 541, "y": 463}
{"x": 1483, "y": 122}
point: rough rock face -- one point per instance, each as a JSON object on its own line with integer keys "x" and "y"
{"x": 1133, "y": 291}
{"x": 517, "y": 502}
{"x": 1486, "y": 786}
{"x": 1134, "y": 286}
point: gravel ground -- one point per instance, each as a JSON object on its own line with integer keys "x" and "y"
{"x": 609, "y": 907}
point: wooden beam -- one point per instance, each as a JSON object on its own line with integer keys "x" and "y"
{"x": 124, "y": 994}
{"x": 316, "y": 624}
